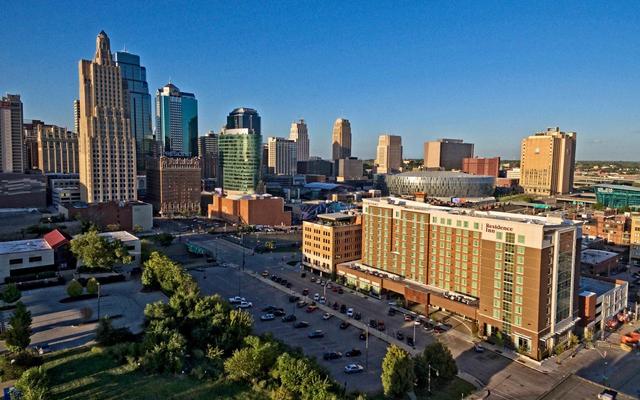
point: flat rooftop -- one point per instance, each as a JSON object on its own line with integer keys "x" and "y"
{"x": 593, "y": 256}
{"x": 338, "y": 216}
{"x": 619, "y": 187}
{"x": 122, "y": 236}
{"x": 597, "y": 286}
{"x": 23, "y": 246}
{"x": 497, "y": 215}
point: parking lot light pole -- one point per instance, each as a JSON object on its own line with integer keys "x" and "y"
{"x": 99, "y": 301}
{"x": 429, "y": 367}
{"x": 414, "y": 332}
{"x": 366, "y": 349}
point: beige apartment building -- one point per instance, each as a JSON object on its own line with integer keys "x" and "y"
{"x": 106, "y": 147}
{"x": 332, "y": 239}
{"x": 389, "y": 154}
{"x": 174, "y": 186}
{"x": 341, "y": 139}
{"x": 514, "y": 274}
{"x": 547, "y": 162}
{"x": 634, "y": 238}
{"x": 50, "y": 148}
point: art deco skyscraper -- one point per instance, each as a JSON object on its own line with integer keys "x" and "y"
{"x": 107, "y": 148}
{"x": 134, "y": 77}
{"x": 11, "y": 143}
{"x": 389, "y": 154}
{"x": 300, "y": 135}
{"x": 341, "y": 139}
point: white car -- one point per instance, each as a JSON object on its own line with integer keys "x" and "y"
{"x": 349, "y": 312}
{"x": 316, "y": 297}
{"x": 245, "y": 304}
{"x": 326, "y": 316}
{"x": 267, "y": 317}
{"x": 353, "y": 368}
{"x": 236, "y": 300}
{"x": 322, "y": 300}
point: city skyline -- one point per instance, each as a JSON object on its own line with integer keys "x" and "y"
{"x": 481, "y": 79}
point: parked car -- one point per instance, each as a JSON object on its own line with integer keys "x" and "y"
{"x": 478, "y": 348}
{"x": 408, "y": 317}
{"x": 301, "y": 324}
{"x": 289, "y": 318}
{"x": 236, "y": 300}
{"x": 363, "y": 335}
{"x": 353, "y": 353}
{"x": 44, "y": 349}
{"x": 245, "y": 304}
{"x": 353, "y": 368}
{"x": 316, "y": 297}
{"x": 279, "y": 313}
{"x": 334, "y": 289}
{"x": 381, "y": 326}
{"x": 344, "y": 325}
{"x": 311, "y": 308}
{"x": 305, "y": 292}
{"x": 267, "y": 317}
{"x": 391, "y": 312}
{"x": 318, "y": 333}
{"x": 303, "y": 275}
{"x": 400, "y": 335}
{"x": 336, "y": 306}
{"x": 288, "y": 285}
{"x": 322, "y": 300}
{"x": 313, "y": 279}
{"x": 340, "y": 291}
{"x": 343, "y": 309}
{"x": 269, "y": 309}
{"x": 265, "y": 273}
{"x": 357, "y": 316}
{"x": 301, "y": 304}
{"x": 373, "y": 323}
{"x": 410, "y": 341}
{"x": 327, "y": 316}
{"x": 350, "y": 312}
{"x": 332, "y": 355}
{"x": 293, "y": 299}
{"x": 608, "y": 394}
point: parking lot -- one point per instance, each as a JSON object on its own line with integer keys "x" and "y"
{"x": 230, "y": 282}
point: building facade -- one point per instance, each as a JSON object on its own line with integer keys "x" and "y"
{"x": 174, "y": 186}
{"x": 282, "y": 155}
{"x": 11, "y": 143}
{"x": 244, "y": 118}
{"x": 50, "y": 148}
{"x": 300, "y": 135}
{"x": 316, "y": 166}
{"x": 389, "y": 154}
{"x": 23, "y": 190}
{"x": 512, "y": 273}
{"x": 341, "y": 139}
{"x": 618, "y": 196}
{"x": 481, "y": 166}
{"x": 107, "y": 150}
{"x": 134, "y": 79}
{"x": 440, "y": 184}
{"x": 446, "y": 154}
{"x": 240, "y": 154}
{"x": 177, "y": 120}
{"x": 250, "y": 210}
{"x": 208, "y": 151}
{"x": 613, "y": 228}
{"x": 129, "y": 216}
{"x": 330, "y": 240}
{"x": 547, "y": 162}
{"x": 349, "y": 169}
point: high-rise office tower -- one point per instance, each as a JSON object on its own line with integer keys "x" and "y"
{"x": 547, "y": 162}
{"x": 244, "y": 118}
{"x": 341, "y": 139}
{"x": 208, "y": 151}
{"x": 51, "y": 149}
{"x": 282, "y": 155}
{"x": 11, "y": 143}
{"x": 300, "y": 135}
{"x": 240, "y": 153}
{"x": 106, "y": 147}
{"x": 389, "y": 154}
{"x": 134, "y": 78}
{"x": 446, "y": 154}
{"x": 76, "y": 116}
{"x": 177, "y": 120}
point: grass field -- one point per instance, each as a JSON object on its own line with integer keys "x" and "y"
{"x": 86, "y": 374}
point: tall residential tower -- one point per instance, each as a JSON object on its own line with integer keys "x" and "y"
{"x": 300, "y": 135}
{"x": 281, "y": 156}
{"x": 389, "y": 154}
{"x": 134, "y": 78}
{"x": 106, "y": 147}
{"x": 11, "y": 148}
{"x": 341, "y": 139}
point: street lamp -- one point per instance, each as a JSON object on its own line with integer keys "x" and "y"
{"x": 429, "y": 367}
{"x": 415, "y": 323}
{"x": 99, "y": 301}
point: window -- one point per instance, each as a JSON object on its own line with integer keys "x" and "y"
{"x": 521, "y": 239}
{"x": 498, "y": 235}
{"x": 15, "y": 261}
{"x": 35, "y": 259}
{"x": 476, "y": 225}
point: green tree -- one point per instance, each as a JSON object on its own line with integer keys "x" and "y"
{"x": 11, "y": 294}
{"x": 397, "y": 372}
{"x": 74, "y": 288}
{"x": 18, "y": 336}
{"x": 34, "y": 384}
{"x": 253, "y": 361}
{"x": 92, "y": 286}
{"x": 99, "y": 252}
{"x": 301, "y": 379}
{"x": 439, "y": 357}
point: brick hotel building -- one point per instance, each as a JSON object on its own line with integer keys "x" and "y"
{"x": 512, "y": 273}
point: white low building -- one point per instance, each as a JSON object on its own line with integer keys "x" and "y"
{"x": 130, "y": 242}
{"x": 24, "y": 255}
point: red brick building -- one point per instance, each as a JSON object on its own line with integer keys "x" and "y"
{"x": 481, "y": 166}
{"x": 250, "y": 210}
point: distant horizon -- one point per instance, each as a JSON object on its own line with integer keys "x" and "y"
{"x": 485, "y": 72}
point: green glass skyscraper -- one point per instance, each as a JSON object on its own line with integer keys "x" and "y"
{"x": 177, "y": 120}
{"x": 239, "y": 151}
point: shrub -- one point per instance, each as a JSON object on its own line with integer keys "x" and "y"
{"x": 92, "y": 286}
{"x": 74, "y": 288}
{"x": 13, "y": 365}
{"x": 18, "y": 336}
{"x": 11, "y": 294}
{"x": 34, "y": 384}
{"x": 107, "y": 335}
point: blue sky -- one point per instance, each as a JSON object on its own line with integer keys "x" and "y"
{"x": 487, "y": 72}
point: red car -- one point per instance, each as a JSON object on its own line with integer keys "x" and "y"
{"x": 305, "y": 292}
{"x": 311, "y": 309}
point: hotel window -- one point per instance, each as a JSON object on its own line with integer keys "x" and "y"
{"x": 474, "y": 260}
{"x": 442, "y": 221}
{"x": 476, "y": 225}
{"x": 510, "y": 237}
{"x": 474, "y": 277}
{"x": 517, "y": 320}
{"x": 466, "y": 224}
{"x": 519, "y": 289}
{"x": 434, "y": 219}
{"x": 498, "y": 235}
{"x": 521, "y": 239}
{"x": 498, "y": 264}
{"x": 496, "y": 294}
{"x": 498, "y": 256}
{"x": 520, "y": 260}
{"x": 496, "y": 314}
{"x": 518, "y": 309}
{"x": 518, "y": 299}
{"x": 458, "y": 223}
{"x": 497, "y": 284}
{"x": 520, "y": 269}
{"x": 519, "y": 280}
{"x": 497, "y": 275}
{"x": 476, "y": 235}
{"x": 498, "y": 246}
{"x": 520, "y": 249}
